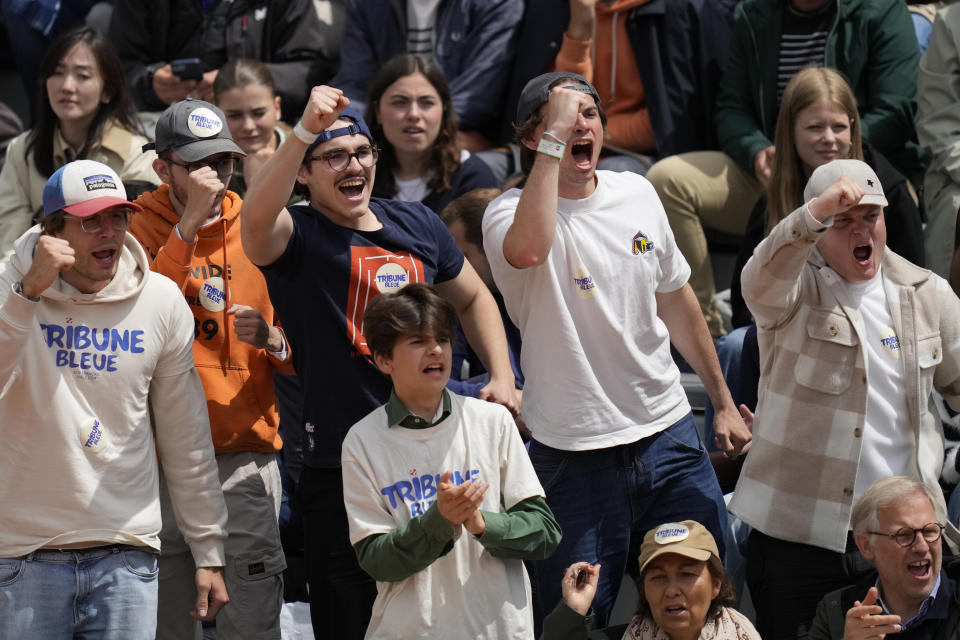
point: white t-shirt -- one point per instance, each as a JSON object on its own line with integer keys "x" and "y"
{"x": 888, "y": 445}
{"x": 390, "y": 474}
{"x": 595, "y": 355}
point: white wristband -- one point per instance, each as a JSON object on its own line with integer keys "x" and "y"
{"x": 551, "y": 148}
{"x": 305, "y": 136}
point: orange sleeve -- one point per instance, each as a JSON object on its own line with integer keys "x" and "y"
{"x": 174, "y": 258}
{"x": 574, "y": 57}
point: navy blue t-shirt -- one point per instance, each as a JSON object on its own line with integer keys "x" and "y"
{"x": 320, "y": 288}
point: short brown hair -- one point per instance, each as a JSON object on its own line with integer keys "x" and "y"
{"x": 469, "y": 209}
{"x": 417, "y": 309}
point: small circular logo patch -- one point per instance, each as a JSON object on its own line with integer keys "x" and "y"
{"x": 91, "y": 435}
{"x": 672, "y": 532}
{"x": 213, "y": 294}
{"x": 391, "y": 277}
{"x": 204, "y": 123}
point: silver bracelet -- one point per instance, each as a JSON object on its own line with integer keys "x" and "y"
{"x": 555, "y": 137}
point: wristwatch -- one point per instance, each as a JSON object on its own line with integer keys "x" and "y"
{"x": 18, "y": 289}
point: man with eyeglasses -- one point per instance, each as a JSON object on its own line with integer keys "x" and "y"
{"x": 323, "y": 263}
{"x": 90, "y": 341}
{"x": 190, "y": 227}
{"x": 898, "y": 524}
{"x": 854, "y": 340}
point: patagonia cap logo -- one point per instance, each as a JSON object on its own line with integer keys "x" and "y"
{"x": 204, "y": 123}
{"x": 99, "y": 181}
{"x": 673, "y": 532}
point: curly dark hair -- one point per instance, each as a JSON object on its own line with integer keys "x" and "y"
{"x": 727, "y": 596}
{"x": 444, "y": 156}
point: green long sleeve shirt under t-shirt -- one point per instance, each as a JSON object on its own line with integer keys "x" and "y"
{"x": 526, "y": 530}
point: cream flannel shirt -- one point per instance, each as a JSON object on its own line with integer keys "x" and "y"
{"x": 797, "y": 483}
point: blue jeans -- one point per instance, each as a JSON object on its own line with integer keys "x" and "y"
{"x": 605, "y": 500}
{"x": 107, "y": 593}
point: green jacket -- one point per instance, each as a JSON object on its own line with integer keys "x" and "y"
{"x": 872, "y": 43}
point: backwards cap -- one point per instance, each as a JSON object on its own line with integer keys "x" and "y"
{"x": 84, "y": 188}
{"x": 537, "y": 92}
{"x": 359, "y": 126}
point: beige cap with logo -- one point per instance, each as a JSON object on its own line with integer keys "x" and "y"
{"x": 687, "y": 538}
{"x": 857, "y": 170}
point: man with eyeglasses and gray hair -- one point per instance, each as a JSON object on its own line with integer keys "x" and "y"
{"x": 190, "y": 228}
{"x": 90, "y": 341}
{"x": 898, "y": 524}
{"x": 324, "y": 261}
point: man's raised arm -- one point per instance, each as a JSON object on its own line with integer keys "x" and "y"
{"x": 266, "y": 224}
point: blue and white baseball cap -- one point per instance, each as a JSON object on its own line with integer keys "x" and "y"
{"x": 84, "y": 188}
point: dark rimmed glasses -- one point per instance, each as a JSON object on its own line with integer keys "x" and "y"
{"x": 905, "y": 536}
{"x": 339, "y": 159}
{"x": 119, "y": 220}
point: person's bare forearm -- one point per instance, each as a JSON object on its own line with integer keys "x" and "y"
{"x": 528, "y": 240}
{"x": 689, "y": 334}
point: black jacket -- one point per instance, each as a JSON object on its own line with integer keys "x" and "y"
{"x": 680, "y": 47}
{"x": 287, "y": 35}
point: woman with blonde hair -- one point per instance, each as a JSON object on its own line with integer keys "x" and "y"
{"x": 818, "y": 122}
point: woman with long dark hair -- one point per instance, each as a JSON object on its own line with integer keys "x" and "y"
{"x": 411, "y": 115}
{"x": 83, "y": 111}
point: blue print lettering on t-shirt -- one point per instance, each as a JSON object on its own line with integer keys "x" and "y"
{"x": 90, "y": 348}
{"x": 419, "y": 492}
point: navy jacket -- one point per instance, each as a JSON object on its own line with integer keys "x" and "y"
{"x": 474, "y": 48}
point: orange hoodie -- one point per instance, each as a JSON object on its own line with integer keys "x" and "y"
{"x": 214, "y": 273}
{"x": 613, "y": 72}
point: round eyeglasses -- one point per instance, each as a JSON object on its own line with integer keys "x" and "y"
{"x": 118, "y": 220}
{"x": 905, "y": 536}
{"x": 223, "y": 166}
{"x": 339, "y": 159}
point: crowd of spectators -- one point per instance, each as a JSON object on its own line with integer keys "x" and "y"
{"x": 564, "y": 175}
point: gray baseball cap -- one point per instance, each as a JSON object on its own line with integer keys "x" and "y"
{"x": 195, "y": 130}
{"x": 857, "y": 170}
{"x": 538, "y": 90}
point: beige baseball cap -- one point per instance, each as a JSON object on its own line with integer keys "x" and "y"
{"x": 687, "y": 538}
{"x": 857, "y": 170}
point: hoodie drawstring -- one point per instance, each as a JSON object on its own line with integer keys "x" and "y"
{"x": 226, "y": 288}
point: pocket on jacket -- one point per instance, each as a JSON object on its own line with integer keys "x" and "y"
{"x": 829, "y": 356}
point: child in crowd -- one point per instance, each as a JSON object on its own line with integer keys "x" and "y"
{"x": 424, "y": 467}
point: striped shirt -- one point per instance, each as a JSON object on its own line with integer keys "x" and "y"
{"x": 803, "y": 41}
{"x": 421, "y": 20}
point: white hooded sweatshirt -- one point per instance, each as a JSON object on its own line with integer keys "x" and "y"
{"x": 80, "y": 374}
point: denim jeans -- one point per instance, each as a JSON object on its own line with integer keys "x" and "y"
{"x": 108, "y": 593}
{"x": 605, "y": 500}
